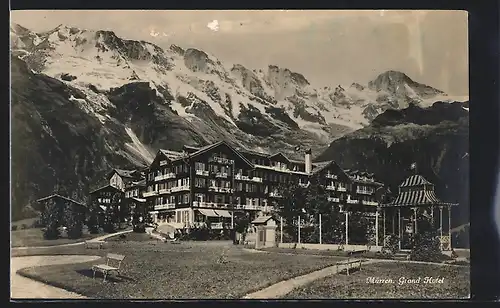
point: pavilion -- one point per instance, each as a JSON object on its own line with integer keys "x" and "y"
{"x": 417, "y": 198}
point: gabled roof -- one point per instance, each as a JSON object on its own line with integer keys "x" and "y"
{"x": 321, "y": 166}
{"x": 61, "y": 197}
{"x": 279, "y": 154}
{"x": 125, "y": 173}
{"x": 415, "y": 180}
{"x": 261, "y": 219}
{"x": 104, "y": 187}
{"x": 140, "y": 183}
{"x": 172, "y": 154}
{"x": 219, "y": 143}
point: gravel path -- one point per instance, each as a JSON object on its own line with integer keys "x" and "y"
{"x": 22, "y": 287}
{"x": 284, "y": 287}
{"x": 100, "y": 238}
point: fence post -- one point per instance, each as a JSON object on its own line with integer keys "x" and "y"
{"x": 281, "y": 230}
{"x": 320, "y": 229}
{"x": 299, "y": 230}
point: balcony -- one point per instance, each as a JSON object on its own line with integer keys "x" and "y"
{"x": 202, "y": 172}
{"x": 165, "y": 176}
{"x": 332, "y": 199}
{"x": 179, "y": 188}
{"x": 352, "y": 201}
{"x": 329, "y": 187}
{"x": 200, "y": 204}
{"x": 341, "y": 188}
{"x": 164, "y": 191}
{"x": 241, "y": 177}
{"x": 303, "y": 184}
{"x": 256, "y": 179}
{"x": 331, "y": 176}
{"x": 164, "y": 206}
{"x": 216, "y": 225}
{"x": 372, "y": 203}
{"x": 150, "y": 193}
{"x": 364, "y": 192}
{"x": 275, "y": 194}
{"x": 221, "y": 160}
{"x": 221, "y": 175}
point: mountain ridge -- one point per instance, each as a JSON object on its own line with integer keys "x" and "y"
{"x": 140, "y": 97}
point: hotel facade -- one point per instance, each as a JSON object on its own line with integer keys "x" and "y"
{"x": 214, "y": 183}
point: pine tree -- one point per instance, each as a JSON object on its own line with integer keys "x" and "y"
{"x": 290, "y": 207}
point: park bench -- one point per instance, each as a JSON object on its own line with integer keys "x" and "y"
{"x": 107, "y": 268}
{"x": 349, "y": 264}
{"x": 94, "y": 244}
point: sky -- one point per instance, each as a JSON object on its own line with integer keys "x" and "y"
{"x": 328, "y": 47}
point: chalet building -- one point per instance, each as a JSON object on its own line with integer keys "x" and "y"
{"x": 122, "y": 178}
{"x": 135, "y": 189}
{"x": 212, "y": 183}
{"x": 104, "y": 195}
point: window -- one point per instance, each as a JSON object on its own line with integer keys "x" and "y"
{"x": 199, "y": 166}
{"x": 213, "y": 183}
{"x": 185, "y": 198}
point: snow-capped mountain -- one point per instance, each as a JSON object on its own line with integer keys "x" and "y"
{"x": 145, "y": 97}
{"x": 103, "y": 60}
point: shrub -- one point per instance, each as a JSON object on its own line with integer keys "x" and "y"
{"x": 13, "y": 228}
{"x": 24, "y": 226}
{"x": 391, "y": 245}
{"x": 73, "y": 221}
{"x": 51, "y": 218}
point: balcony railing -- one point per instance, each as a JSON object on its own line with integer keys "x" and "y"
{"x": 341, "y": 188}
{"x": 216, "y": 225}
{"x": 150, "y": 193}
{"x": 202, "y": 172}
{"x": 303, "y": 184}
{"x": 275, "y": 194}
{"x": 221, "y": 160}
{"x": 221, "y": 175}
{"x": 331, "y": 176}
{"x": 179, "y": 188}
{"x": 352, "y": 201}
{"x": 332, "y": 199}
{"x": 241, "y": 177}
{"x": 370, "y": 203}
{"x": 164, "y": 191}
{"x": 165, "y": 176}
{"x": 330, "y": 187}
{"x": 221, "y": 189}
{"x": 364, "y": 192}
{"x": 164, "y": 206}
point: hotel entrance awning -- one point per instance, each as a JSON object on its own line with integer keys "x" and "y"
{"x": 223, "y": 213}
{"x": 208, "y": 213}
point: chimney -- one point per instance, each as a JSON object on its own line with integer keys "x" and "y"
{"x": 308, "y": 161}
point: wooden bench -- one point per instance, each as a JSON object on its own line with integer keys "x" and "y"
{"x": 107, "y": 268}
{"x": 349, "y": 264}
{"x": 94, "y": 244}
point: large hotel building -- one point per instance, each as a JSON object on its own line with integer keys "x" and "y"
{"x": 211, "y": 184}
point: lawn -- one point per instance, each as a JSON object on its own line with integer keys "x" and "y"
{"x": 333, "y": 253}
{"x": 455, "y": 283}
{"x": 34, "y": 237}
{"x": 188, "y": 270}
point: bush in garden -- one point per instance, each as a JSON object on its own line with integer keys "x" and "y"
{"x": 391, "y": 245}
{"x": 51, "y": 218}
{"x": 73, "y": 221}
{"x": 426, "y": 245}
{"x": 93, "y": 218}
